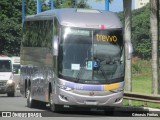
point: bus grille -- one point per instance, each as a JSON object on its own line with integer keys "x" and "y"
{"x": 3, "y": 82}
{"x": 96, "y": 93}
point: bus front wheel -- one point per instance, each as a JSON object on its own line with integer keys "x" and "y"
{"x": 30, "y": 102}
{"x": 53, "y": 107}
{"x": 11, "y": 94}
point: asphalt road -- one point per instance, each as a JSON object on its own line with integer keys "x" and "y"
{"x": 18, "y": 105}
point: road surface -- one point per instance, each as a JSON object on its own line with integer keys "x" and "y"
{"x": 18, "y": 105}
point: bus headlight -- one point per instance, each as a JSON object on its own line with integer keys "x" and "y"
{"x": 64, "y": 87}
{"x": 9, "y": 81}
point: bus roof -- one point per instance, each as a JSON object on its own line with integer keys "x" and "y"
{"x": 84, "y": 18}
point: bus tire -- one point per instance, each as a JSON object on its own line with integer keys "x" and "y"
{"x": 30, "y": 102}
{"x": 53, "y": 107}
{"x": 25, "y": 89}
{"x": 11, "y": 94}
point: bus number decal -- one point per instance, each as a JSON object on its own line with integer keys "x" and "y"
{"x": 79, "y": 87}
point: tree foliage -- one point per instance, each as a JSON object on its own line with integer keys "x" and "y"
{"x": 70, "y": 4}
{"x": 11, "y": 25}
{"x": 140, "y": 31}
{"x": 11, "y": 21}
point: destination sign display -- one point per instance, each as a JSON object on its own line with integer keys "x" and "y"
{"x": 108, "y": 37}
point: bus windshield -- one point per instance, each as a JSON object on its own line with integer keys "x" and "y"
{"x": 5, "y": 66}
{"x": 91, "y": 56}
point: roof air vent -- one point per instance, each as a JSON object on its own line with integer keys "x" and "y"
{"x": 88, "y": 11}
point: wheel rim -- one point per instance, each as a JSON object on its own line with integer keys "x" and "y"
{"x": 52, "y": 106}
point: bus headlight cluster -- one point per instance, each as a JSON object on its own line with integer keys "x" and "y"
{"x": 64, "y": 87}
{"x": 118, "y": 90}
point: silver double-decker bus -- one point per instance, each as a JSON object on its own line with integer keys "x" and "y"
{"x": 73, "y": 58}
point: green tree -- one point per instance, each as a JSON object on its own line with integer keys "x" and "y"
{"x": 31, "y": 6}
{"x": 140, "y": 31}
{"x": 82, "y": 4}
{"x": 11, "y": 26}
{"x": 69, "y": 4}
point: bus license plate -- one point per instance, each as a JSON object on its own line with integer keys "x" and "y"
{"x": 90, "y": 102}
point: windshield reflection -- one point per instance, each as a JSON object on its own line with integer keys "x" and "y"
{"x": 5, "y": 66}
{"x": 89, "y": 56}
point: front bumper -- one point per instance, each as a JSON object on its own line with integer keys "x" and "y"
{"x": 8, "y": 88}
{"x": 69, "y": 98}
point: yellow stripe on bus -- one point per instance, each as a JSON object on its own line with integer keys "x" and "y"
{"x": 111, "y": 86}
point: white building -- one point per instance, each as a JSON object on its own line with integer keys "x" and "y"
{"x": 140, "y": 3}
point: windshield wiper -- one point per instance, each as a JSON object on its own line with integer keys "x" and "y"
{"x": 108, "y": 61}
{"x": 79, "y": 74}
{"x": 80, "y": 71}
{"x": 99, "y": 67}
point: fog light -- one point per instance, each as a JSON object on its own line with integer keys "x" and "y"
{"x": 64, "y": 97}
{"x": 118, "y": 99}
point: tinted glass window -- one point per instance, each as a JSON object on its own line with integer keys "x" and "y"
{"x": 5, "y": 66}
{"x": 91, "y": 56}
{"x": 38, "y": 33}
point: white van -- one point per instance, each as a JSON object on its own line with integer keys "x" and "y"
{"x": 7, "y": 84}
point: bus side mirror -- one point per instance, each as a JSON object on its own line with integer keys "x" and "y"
{"x": 55, "y": 46}
{"x": 129, "y": 49}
